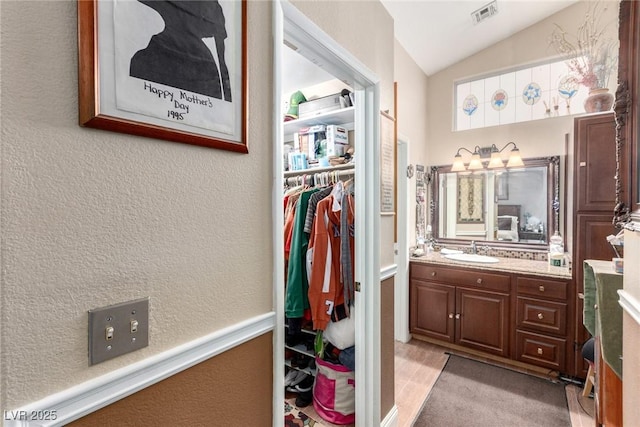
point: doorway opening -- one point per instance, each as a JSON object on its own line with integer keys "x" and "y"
{"x": 296, "y": 32}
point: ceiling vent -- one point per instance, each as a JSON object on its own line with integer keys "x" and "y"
{"x": 485, "y": 12}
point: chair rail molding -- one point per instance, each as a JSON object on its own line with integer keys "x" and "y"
{"x": 83, "y": 399}
{"x": 630, "y": 305}
{"x": 388, "y": 272}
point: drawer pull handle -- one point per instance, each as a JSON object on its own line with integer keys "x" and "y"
{"x": 540, "y": 350}
{"x": 450, "y": 315}
{"x": 457, "y": 315}
{"x": 433, "y": 274}
{"x": 540, "y": 316}
{"x": 541, "y": 288}
{"x": 479, "y": 281}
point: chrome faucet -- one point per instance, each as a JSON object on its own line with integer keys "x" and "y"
{"x": 474, "y": 250}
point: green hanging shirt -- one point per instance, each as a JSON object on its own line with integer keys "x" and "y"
{"x": 297, "y": 299}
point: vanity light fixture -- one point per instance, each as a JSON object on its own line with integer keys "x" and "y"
{"x": 495, "y": 161}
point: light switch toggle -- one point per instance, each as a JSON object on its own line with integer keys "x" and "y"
{"x": 118, "y": 329}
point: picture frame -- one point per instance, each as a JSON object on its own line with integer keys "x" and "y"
{"x": 387, "y": 164}
{"x": 134, "y": 76}
{"x": 502, "y": 186}
{"x": 470, "y": 200}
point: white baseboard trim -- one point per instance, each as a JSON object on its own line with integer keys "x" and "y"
{"x": 391, "y": 420}
{"x": 630, "y": 305}
{"x": 388, "y": 272}
{"x": 88, "y": 397}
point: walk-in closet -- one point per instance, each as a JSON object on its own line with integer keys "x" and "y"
{"x": 319, "y": 222}
{"x": 325, "y": 197}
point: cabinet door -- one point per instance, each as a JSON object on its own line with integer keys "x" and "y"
{"x": 591, "y": 241}
{"x": 432, "y": 310}
{"x": 595, "y": 163}
{"x": 482, "y": 321}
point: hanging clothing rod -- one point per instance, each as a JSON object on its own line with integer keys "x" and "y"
{"x": 318, "y": 178}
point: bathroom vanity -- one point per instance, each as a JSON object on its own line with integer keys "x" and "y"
{"x": 515, "y": 309}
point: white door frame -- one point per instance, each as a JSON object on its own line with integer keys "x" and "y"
{"x": 401, "y": 293}
{"x": 297, "y": 29}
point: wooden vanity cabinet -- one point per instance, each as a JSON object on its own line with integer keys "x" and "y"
{"x": 524, "y": 318}
{"x": 463, "y": 307}
{"x": 542, "y": 329}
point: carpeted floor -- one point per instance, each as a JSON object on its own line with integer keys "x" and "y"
{"x": 472, "y": 393}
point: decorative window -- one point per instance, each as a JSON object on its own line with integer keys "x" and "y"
{"x": 521, "y": 95}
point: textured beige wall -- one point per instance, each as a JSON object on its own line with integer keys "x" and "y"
{"x": 631, "y": 331}
{"x": 535, "y": 138}
{"x": 412, "y": 120}
{"x": 91, "y": 218}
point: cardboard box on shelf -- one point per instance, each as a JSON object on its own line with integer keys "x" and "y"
{"x": 337, "y": 134}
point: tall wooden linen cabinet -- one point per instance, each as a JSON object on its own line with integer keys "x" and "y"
{"x": 594, "y": 200}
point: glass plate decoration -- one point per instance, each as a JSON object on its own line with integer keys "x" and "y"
{"x": 568, "y": 86}
{"x": 531, "y": 93}
{"x": 470, "y": 105}
{"x": 499, "y": 100}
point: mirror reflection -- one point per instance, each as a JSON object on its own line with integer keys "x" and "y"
{"x": 506, "y": 206}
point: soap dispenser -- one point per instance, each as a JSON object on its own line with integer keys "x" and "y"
{"x": 556, "y": 249}
{"x": 429, "y": 248}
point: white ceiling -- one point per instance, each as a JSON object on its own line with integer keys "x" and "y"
{"x": 439, "y": 33}
{"x": 299, "y": 72}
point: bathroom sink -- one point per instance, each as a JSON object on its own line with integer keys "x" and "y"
{"x": 472, "y": 258}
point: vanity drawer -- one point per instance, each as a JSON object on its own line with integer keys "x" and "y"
{"x": 460, "y": 277}
{"x": 541, "y": 350}
{"x": 543, "y": 316}
{"x": 542, "y": 288}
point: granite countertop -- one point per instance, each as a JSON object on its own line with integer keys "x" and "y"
{"x": 508, "y": 265}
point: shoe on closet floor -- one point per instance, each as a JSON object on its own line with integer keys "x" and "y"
{"x": 290, "y": 376}
{"x": 297, "y": 380}
{"x": 300, "y": 361}
{"x": 305, "y": 385}
{"x": 304, "y": 399}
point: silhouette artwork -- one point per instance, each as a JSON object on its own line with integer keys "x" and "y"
{"x": 178, "y": 56}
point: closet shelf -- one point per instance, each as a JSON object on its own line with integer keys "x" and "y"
{"x": 343, "y": 117}
{"x": 303, "y": 330}
{"x": 306, "y": 370}
{"x": 311, "y": 171}
{"x": 301, "y": 348}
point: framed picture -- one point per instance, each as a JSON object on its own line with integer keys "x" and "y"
{"x": 470, "y": 199}
{"x": 172, "y": 70}
{"x": 387, "y": 164}
{"x": 502, "y": 186}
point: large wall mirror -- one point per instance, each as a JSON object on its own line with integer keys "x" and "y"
{"x": 517, "y": 207}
